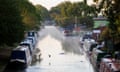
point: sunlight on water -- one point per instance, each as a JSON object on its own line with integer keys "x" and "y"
{"x": 55, "y": 59}
{"x": 49, "y": 47}
{"x": 59, "y": 61}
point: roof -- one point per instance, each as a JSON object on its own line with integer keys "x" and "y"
{"x": 20, "y": 48}
{"x": 100, "y": 23}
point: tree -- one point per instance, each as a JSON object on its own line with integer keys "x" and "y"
{"x": 65, "y": 13}
{"x": 43, "y": 12}
{"x": 111, "y": 10}
{"x": 31, "y": 18}
{"x": 11, "y": 26}
{"x": 16, "y": 16}
{"x": 85, "y": 1}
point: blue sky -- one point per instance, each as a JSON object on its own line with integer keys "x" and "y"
{"x": 51, "y": 3}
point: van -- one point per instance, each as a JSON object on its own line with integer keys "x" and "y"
{"x": 20, "y": 56}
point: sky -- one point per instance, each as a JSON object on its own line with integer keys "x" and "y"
{"x": 51, "y": 3}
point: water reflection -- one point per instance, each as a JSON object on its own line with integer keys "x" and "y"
{"x": 55, "y": 59}
{"x": 58, "y": 55}
{"x": 65, "y": 63}
{"x": 71, "y": 44}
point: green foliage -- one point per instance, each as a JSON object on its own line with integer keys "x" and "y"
{"x": 65, "y": 13}
{"x": 111, "y": 9}
{"x": 31, "y": 18}
{"x": 11, "y": 26}
{"x": 16, "y": 16}
{"x": 43, "y": 12}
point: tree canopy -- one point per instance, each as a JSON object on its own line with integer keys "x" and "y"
{"x": 28, "y": 12}
{"x": 43, "y": 12}
{"x": 111, "y": 10}
{"x": 11, "y": 26}
{"x": 16, "y": 16}
{"x": 66, "y": 12}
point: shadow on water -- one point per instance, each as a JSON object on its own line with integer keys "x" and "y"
{"x": 71, "y": 45}
{"x": 20, "y": 67}
{"x": 15, "y": 67}
{"x": 36, "y": 60}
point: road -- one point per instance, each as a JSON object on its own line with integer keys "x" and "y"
{"x": 59, "y": 53}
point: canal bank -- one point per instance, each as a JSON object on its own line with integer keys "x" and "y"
{"x": 4, "y": 57}
{"x": 2, "y": 65}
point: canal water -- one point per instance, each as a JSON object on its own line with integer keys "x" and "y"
{"x": 59, "y": 53}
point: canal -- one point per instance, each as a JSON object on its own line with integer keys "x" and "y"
{"x": 59, "y": 53}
